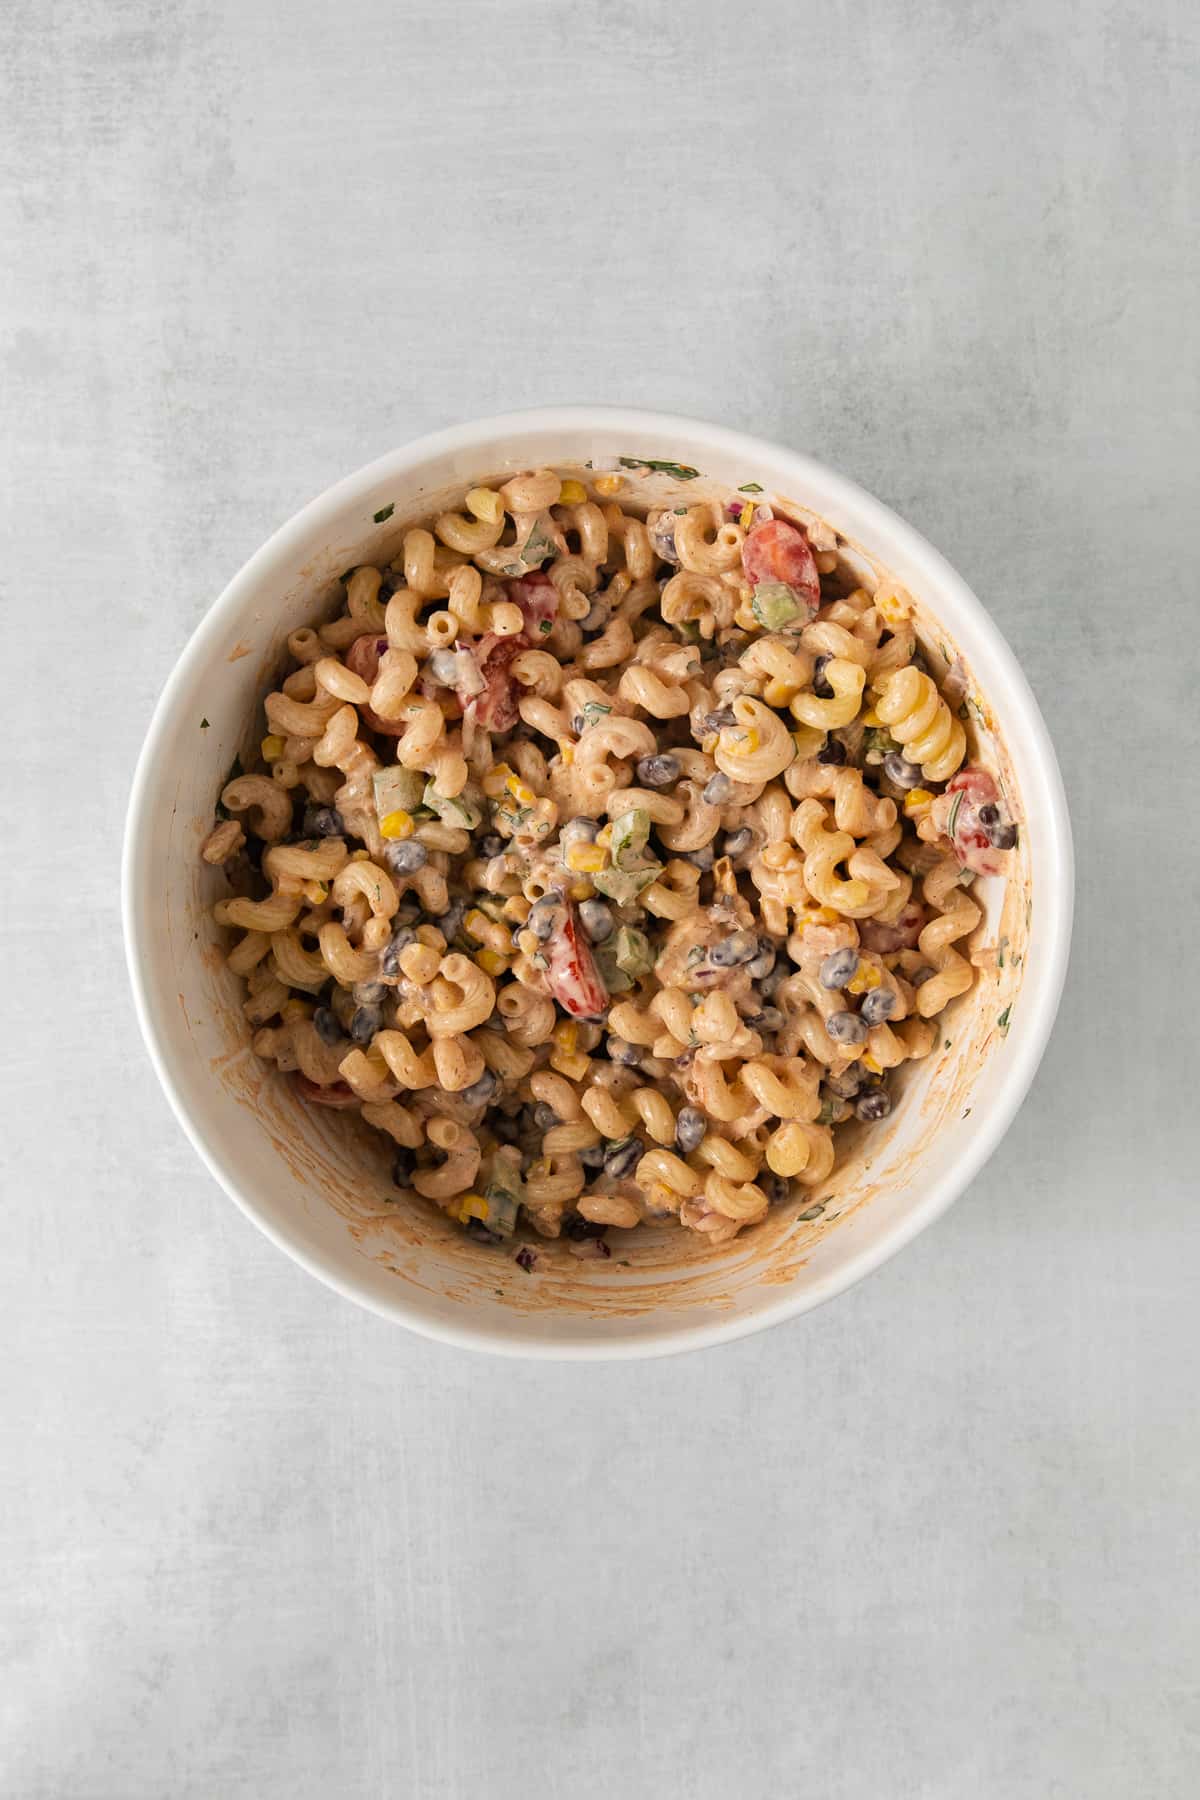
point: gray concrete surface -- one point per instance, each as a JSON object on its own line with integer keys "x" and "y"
{"x": 937, "y": 1540}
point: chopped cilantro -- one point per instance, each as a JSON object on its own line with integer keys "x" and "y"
{"x": 680, "y": 471}
{"x": 813, "y": 1212}
{"x": 385, "y": 512}
{"x": 946, "y": 1045}
{"x": 1000, "y": 953}
{"x": 750, "y": 487}
{"x": 545, "y": 626}
{"x": 1004, "y": 1019}
{"x": 594, "y": 711}
{"x": 952, "y": 821}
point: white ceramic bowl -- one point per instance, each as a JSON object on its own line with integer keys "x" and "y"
{"x": 314, "y": 1181}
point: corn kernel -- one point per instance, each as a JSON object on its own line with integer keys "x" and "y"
{"x": 360, "y": 856}
{"x": 486, "y": 505}
{"x": 865, "y": 977}
{"x": 573, "y": 1067}
{"x": 496, "y": 780}
{"x": 473, "y": 920}
{"x": 315, "y": 892}
{"x": 567, "y": 753}
{"x": 818, "y": 915}
{"x": 868, "y": 1062}
{"x": 604, "y": 836}
{"x": 916, "y": 800}
{"x": 609, "y": 484}
{"x": 520, "y": 791}
{"x": 746, "y": 514}
{"x": 572, "y": 493}
{"x": 871, "y": 717}
{"x": 891, "y": 607}
{"x": 396, "y": 825}
{"x": 566, "y": 1036}
{"x": 470, "y": 1206}
{"x": 273, "y": 747}
{"x": 491, "y": 962}
{"x": 779, "y": 693}
{"x": 580, "y": 890}
{"x": 585, "y": 859}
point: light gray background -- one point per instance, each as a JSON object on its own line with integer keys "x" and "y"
{"x": 938, "y": 1539}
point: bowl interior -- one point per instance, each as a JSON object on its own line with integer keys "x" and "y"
{"x": 317, "y": 1182}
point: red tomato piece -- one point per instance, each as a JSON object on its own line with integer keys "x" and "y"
{"x": 537, "y": 597}
{"x": 778, "y": 551}
{"x": 956, "y": 812}
{"x": 363, "y": 657}
{"x": 336, "y": 1094}
{"x": 496, "y": 708}
{"x": 875, "y": 935}
{"x": 572, "y": 975}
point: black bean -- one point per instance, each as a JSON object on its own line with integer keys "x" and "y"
{"x": 878, "y": 1005}
{"x": 450, "y": 922}
{"x": 876, "y": 1104}
{"x": 365, "y": 1022}
{"x": 406, "y": 858}
{"x": 833, "y": 753}
{"x": 596, "y": 919}
{"x": 403, "y": 1164}
{"x": 491, "y": 845}
{"x": 579, "y": 724}
{"x": 578, "y": 1229}
{"x": 328, "y": 1025}
{"x": 658, "y": 771}
{"x": 542, "y": 918}
{"x": 718, "y": 790}
{"x": 544, "y": 1117}
{"x": 479, "y": 1233}
{"x": 690, "y": 1127}
{"x": 717, "y": 721}
{"x": 845, "y": 1085}
{"x": 1002, "y": 837}
{"x": 622, "y": 1158}
{"x": 663, "y": 539}
{"x": 369, "y": 993}
{"x": 764, "y": 962}
{"x": 839, "y": 967}
{"x": 738, "y": 947}
{"x": 777, "y": 1188}
{"x": 737, "y": 842}
{"x": 769, "y": 1019}
{"x": 592, "y": 1157}
{"x": 899, "y": 770}
{"x": 846, "y": 1028}
{"x": 989, "y": 815}
{"x": 323, "y": 821}
{"x": 820, "y": 686}
{"x": 505, "y": 1129}
{"x": 703, "y": 858}
{"x": 920, "y": 976}
{"x": 626, "y": 1054}
{"x": 481, "y": 1091}
{"x": 443, "y": 666}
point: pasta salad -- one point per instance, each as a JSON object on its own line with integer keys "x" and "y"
{"x": 606, "y": 858}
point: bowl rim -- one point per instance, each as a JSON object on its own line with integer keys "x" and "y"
{"x": 1056, "y": 874}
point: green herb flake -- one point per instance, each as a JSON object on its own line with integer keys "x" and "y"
{"x": 204, "y": 725}
{"x": 384, "y": 513}
{"x": 680, "y": 471}
{"x": 594, "y": 711}
{"x": 750, "y": 487}
{"x": 952, "y": 821}
{"x": 545, "y": 626}
{"x": 813, "y": 1212}
{"x": 946, "y": 1045}
{"x": 1004, "y": 1020}
{"x": 1000, "y": 952}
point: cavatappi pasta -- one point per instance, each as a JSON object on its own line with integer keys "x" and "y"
{"x": 605, "y": 863}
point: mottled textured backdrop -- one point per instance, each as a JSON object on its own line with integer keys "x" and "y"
{"x": 940, "y": 1538}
